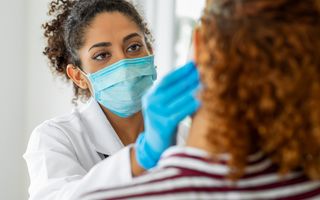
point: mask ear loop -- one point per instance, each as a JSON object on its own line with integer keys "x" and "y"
{"x": 87, "y": 75}
{"x": 81, "y": 70}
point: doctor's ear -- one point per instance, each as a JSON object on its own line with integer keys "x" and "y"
{"x": 77, "y": 76}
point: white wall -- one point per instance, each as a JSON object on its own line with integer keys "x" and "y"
{"x": 12, "y": 101}
{"x": 45, "y": 97}
{"x": 28, "y": 93}
{"x": 160, "y": 16}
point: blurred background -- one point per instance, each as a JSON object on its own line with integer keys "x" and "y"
{"x": 31, "y": 95}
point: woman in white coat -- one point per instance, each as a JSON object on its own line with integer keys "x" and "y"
{"x": 104, "y": 48}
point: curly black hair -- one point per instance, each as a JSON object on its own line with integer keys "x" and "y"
{"x": 65, "y": 31}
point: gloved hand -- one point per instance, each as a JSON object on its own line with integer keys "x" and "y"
{"x": 164, "y": 107}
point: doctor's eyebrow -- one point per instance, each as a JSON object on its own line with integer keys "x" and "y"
{"x": 107, "y": 44}
{"x": 132, "y": 35}
{"x": 101, "y": 44}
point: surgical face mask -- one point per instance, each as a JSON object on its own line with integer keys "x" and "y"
{"x": 120, "y": 86}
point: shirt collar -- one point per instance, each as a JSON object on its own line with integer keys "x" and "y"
{"x": 196, "y": 153}
{"x": 99, "y": 129}
{"x": 186, "y": 150}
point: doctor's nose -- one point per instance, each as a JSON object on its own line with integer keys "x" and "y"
{"x": 117, "y": 56}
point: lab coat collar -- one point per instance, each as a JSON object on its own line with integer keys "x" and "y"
{"x": 99, "y": 129}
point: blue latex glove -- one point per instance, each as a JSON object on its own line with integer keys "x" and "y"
{"x": 164, "y": 107}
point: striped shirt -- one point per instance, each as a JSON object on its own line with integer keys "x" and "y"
{"x": 188, "y": 173}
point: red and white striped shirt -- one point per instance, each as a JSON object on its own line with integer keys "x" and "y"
{"x": 188, "y": 173}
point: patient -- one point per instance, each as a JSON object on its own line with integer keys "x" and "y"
{"x": 257, "y": 133}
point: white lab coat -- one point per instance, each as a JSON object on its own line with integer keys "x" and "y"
{"x": 64, "y": 155}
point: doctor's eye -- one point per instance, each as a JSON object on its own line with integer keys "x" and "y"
{"x": 134, "y": 48}
{"x": 101, "y": 56}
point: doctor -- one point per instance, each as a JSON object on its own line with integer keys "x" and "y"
{"x": 104, "y": 48}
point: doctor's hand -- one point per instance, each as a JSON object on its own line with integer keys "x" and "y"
{"x": 164, "y": 107}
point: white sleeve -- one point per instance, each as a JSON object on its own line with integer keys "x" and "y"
{"x": 56, "y": 174}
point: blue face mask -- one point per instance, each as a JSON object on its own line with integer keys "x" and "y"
{"x": 120, "y": 86}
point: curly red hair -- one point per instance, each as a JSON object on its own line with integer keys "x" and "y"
{"x": 260, "y": 66}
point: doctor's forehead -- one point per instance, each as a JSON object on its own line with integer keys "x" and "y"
{"x": 110, "y": 27}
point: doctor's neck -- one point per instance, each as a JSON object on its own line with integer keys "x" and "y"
{"x": 128, "y": 128}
